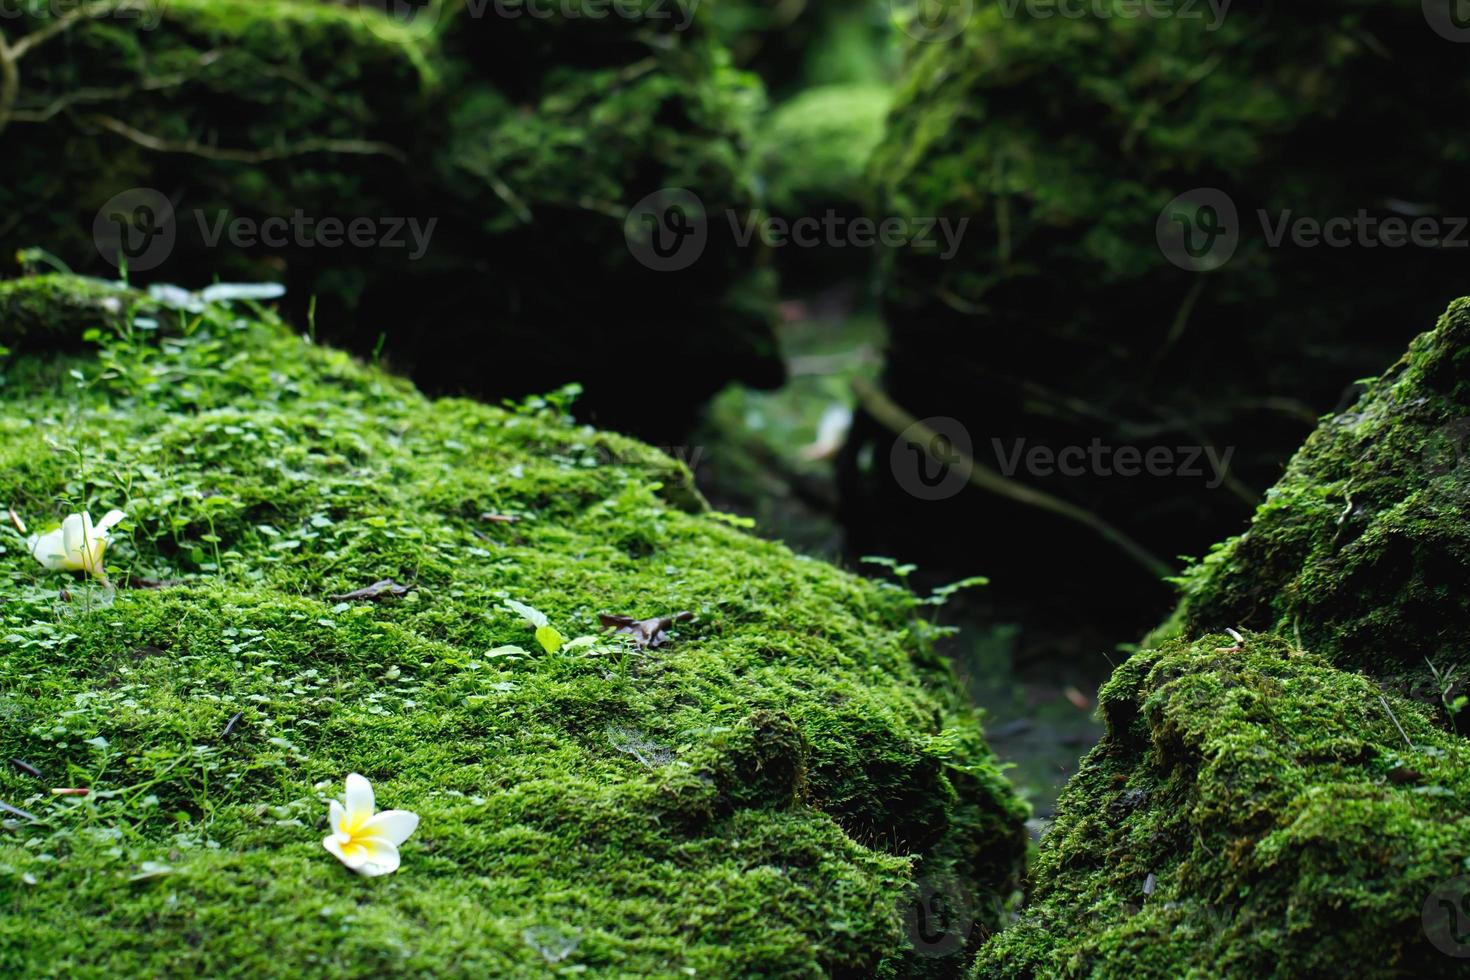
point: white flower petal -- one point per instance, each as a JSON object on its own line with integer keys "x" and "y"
{"x": 382, "y": 857}
{"x": 108, "y": 522}
{"x": 354, "y": 855}
{"x": 359, "y": 800}
{"x": 337, "y": 817}
{"x": 394, "y": 825}
{"x": 73, "y": 534}
{"x": 49, "y": 550}
{"x": 91, "y": 558}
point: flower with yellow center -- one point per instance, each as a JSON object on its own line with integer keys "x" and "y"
{"x": 366, "y": 842}
{"x": 77, "y": 546}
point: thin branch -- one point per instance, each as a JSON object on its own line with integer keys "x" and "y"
{"x": 192, "y": 148}
{"x": 1382, "y": 700}
{"x": 10, "y": 54}
{"x": 892, "y": 416}
{"x": 64, "y": 23}
{"x": 9, "y": 81}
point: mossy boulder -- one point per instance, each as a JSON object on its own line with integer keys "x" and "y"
{"x": 1060, "y": 321}
{"x": 794, "y": 46}
{"x": 1251, "y": 811}
{"x": 494, "y": 159}
{"x": 1281, "y": 787}
{"x": 812, "y": 152}
{"x": 811, "y": 155}
{"x": 761, "y": 794}
{"x": 1363, "y": 549}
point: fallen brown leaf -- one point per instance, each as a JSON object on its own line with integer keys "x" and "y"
{"x": 500, "y": 518}
{"x": 645, "y": 632}
{"x": 387, "y": 587}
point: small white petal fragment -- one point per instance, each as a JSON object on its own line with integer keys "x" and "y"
{"x": 365, "y": 842}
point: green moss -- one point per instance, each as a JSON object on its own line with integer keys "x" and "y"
{"x": 756, "y": 797}
{"x": 1251, "y": 811}
{"x": 813, "y": 150}
{"x": 1255, "y": 809}
{"x": 1363, "y": 549}
{"x": 52, "y": 312}
{"x": 794, "y": 46}
{"x": 1062, "y": 140}
{"x": 517, "y": 147}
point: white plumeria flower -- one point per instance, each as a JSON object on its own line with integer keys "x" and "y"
{"x": 365, "y": 842}
{"x": 77, "y": 546}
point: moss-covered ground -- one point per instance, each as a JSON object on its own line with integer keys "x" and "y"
{"x": 1251, "y": 812}
{"x": 761, "y": 795}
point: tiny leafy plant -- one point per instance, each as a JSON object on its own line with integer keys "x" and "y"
{"x": 1446, "y": 680}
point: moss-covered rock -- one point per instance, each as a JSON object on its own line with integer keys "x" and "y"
{"x": 494, "y": 159}
{"x": 1363, "y": 549}
{"x": 811, "y": 156}
{"x": 811, "y": 43}
{"x": 757, "y": 796}
{"x": 1252, "y": 811}
{"x": 1060, "y": 321}
{"x": 813, "y": 151}
{"x": 1260, "y": 805}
